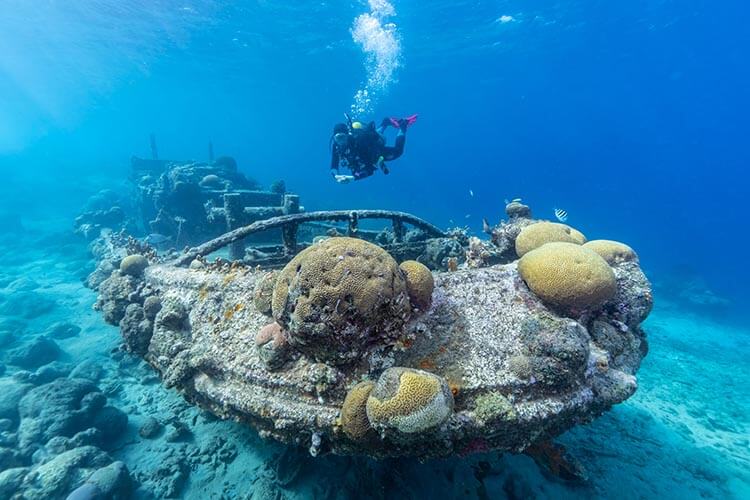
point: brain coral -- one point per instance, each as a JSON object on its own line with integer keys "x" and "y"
{"x": 568, "y": 275}
{"x": 536, "y": 235}
{"x": 354, "y": 411}
{"x": 264, "y": 292}
{"x": 419, "y": 283}
{"x": 409, "y": 401}
{"x": 339, "y": 297}
{"x": 133, "y": 265}
{"x": 613, "y": 252}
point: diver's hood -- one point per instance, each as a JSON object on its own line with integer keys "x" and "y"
{"x": 341, "y": 138}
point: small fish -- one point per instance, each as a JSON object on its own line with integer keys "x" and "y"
{"x": 561, "y": 214}
{"x": 471, "y": 193}
{"x": 156, "y": 238}
{"x": 467, "y": 216}
{"x": 486, "y": 226}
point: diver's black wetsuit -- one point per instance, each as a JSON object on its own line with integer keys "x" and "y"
{"x": 363, "y": 151}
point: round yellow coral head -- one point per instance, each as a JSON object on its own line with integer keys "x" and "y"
{"x": 419, "y": 283}
{"x": 613, "y": 252}
{"x": 568, "y": 275}
{"x": 409, "y": 401}
{"x": 536, "y": 235}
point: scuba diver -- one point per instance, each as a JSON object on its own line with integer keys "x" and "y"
{"x": 361, "y": 148}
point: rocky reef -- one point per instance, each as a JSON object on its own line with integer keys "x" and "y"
{"x": 346, "y": 351}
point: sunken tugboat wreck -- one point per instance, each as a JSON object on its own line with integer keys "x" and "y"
{"x": 347, "y": 350}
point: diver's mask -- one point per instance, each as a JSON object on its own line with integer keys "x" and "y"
{"x": 341, "y": 139}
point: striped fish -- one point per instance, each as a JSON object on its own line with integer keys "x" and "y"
{"x": 561, "y": 214}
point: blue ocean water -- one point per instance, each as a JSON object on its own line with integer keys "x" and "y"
{"x": 632, "y": 116}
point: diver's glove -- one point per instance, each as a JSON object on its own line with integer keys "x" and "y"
{"x": 343, "y": 179}
{"x": 382, "y": 166}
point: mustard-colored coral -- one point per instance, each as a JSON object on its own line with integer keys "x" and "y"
{"x": 338, "y": 297}
{"x": 419, "y": 283}
{"x": 613, "y": 252}
{"x": 409, "y": 401}
{"x": 354, "y": 411}
{"x": 536, "y": 235}
{"x": 568, "y": 275}
{"x": 264, "y": 292}
{"x": 133, "y": 265}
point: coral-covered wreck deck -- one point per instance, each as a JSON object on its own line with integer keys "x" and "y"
{"x": 339, "y": 351}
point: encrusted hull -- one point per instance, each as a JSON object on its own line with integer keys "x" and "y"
{"x": 519, "y": 371}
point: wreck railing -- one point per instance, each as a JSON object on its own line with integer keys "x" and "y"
{"x": 290, "y": 223}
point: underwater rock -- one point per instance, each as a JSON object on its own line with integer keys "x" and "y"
{"x": 177, "y": 431}
{"x": 10, "y": 330}
{"x": 110, "y": 482}
{"x": 150, "y": 428}
{"x": 34, "y": 354}
{"x": 103, "y": 271}
{"x": 45, "y": 374}
{"x": 63, "y": 408}
{"x": 63, "y": 330}
{"x": 63, "y": 472}
{"x": 11, "y": 480}
{"x": 111, "y": 422}
{"x": 151, "y": 307}
{"x": 11, "y": 392}
{"x": 633, "y": 299}
{"x": 9, "y": 458}
{"x": 121, "y": 288}
{"x": 87, "y": 369}
{"x": 136, "y": 329}
{"x": 499, "y": 367}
